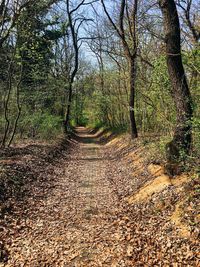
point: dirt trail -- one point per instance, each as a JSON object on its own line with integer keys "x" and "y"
{"x": 72, "y": 225}
{"x": 75, "y": 214}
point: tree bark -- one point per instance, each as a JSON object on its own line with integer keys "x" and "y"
{"x": 6, "y": 105}
{"x": 76, "y": 64}
{"x": 134, "y": 132}
{"x": 181, "y": 143}
{"x": 67, "y": 117}
{"x": 19, "y": 107}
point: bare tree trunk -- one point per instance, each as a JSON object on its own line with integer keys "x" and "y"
{"x": 67, "y": 118}
{"x": 134, "y": 132}
{"x": 6, "y": 103}
{"x": 130, "y": 45}
{"x": 19, "y": 108}
{"x": 76, "y": 62}
{"x": 181, "y": 143}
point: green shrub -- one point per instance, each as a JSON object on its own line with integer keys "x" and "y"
{"x": 41, "y": 125}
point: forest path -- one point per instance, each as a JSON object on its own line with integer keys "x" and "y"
{"x": 75, "y": 223}
{"x": 72, "y": 211}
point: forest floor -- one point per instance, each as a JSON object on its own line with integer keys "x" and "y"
{"x": 89, "y": 202}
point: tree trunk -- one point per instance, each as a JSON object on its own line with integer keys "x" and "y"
{"x": 130, "y": 50}
{"x": 6, "y": 105}
{"x": 76, "y": 63}
{"x": 134, "y": 132}
{"x": 19, "y": 108}
{"x": 181, "y": 143}
{"x": 67, "y": 118}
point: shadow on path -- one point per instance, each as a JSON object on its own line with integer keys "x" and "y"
{"x": 93, "y": 136}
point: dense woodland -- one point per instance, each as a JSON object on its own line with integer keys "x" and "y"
{"x": 99, "y": 133}
{"x": 125, "y": 65}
